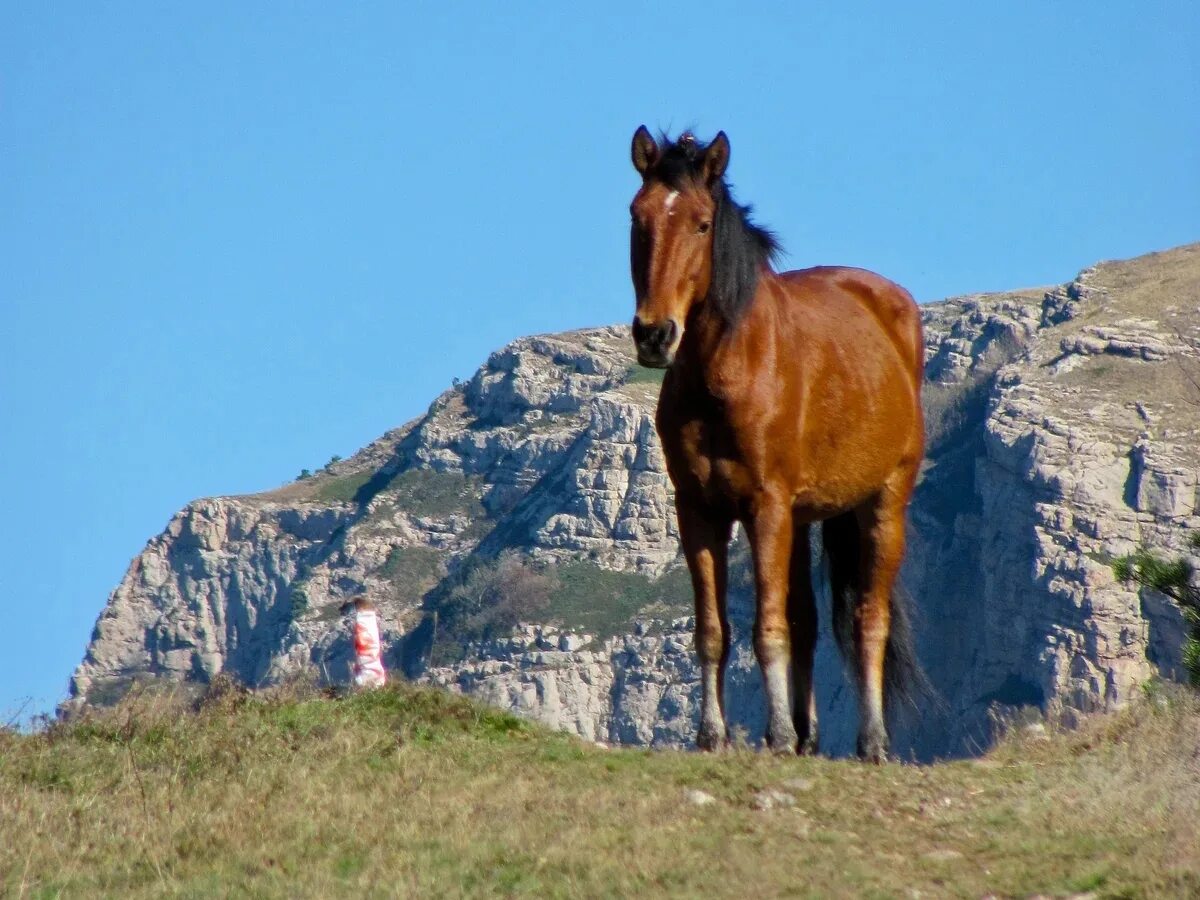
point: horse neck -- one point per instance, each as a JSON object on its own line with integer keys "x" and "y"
{"x": 712, "y": 333}
{"x": 716, "y": 348}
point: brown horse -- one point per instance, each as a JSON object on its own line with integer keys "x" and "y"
{"x": 789, "y": 398}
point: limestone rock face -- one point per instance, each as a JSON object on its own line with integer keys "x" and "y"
{"x": 212, "y": 593}
{"x": 1063, "y": 431}
{"x": 1079, "y": 448}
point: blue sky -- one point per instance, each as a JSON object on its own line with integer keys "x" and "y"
{"x": 237, "y": 239}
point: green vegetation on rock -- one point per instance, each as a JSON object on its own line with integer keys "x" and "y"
{"x": 1175, "y": 579}
{"x": 428, "y": 492}
{"x": 643, "y": 375}
{"x": 604, "y": 603}
{"x": 412, "y": 571}
{"x": 489, "y": 596}
{"x": 485, "y": 600}
{"x": 339, "y": 488}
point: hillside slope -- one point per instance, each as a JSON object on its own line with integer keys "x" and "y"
{"x": 414, "y": 792}
{"x": 1063, "y": 428}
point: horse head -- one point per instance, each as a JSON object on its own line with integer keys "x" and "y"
{"x": 671, "y": 237}
{"x": 692, "y": 247}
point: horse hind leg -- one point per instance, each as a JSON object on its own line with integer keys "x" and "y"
{"x": 802, "y": 621}
{"x": 881, "y": 528}
{"x": 842, "y": 545}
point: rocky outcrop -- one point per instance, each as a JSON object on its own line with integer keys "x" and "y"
{"x": 1063, "y": 431}
{"x": 639, "y": 688}
{"x": 1013, "y": 576}
{"x": 549, "y": 448}
{"x": 214, "y": 592}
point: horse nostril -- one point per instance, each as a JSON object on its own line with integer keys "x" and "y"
{"x": 663, "y": 335}
{"x": 641, "y": 331}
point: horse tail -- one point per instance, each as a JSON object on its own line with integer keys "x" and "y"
{"x": 904, "y": 679}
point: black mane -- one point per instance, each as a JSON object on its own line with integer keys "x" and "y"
{"x": 740, "y": 248}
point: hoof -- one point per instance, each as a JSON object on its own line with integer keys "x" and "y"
{"x": 711, "y": 740}
{"x": 810, "y": 745}
{"x": 782, "y": 744}
{"x": 873, "y": 748}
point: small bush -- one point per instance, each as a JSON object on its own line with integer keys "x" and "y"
{"x": 492, "y": 597}
{"x": 1175, "y": 579}
{"x": 299, "y": 601}
{"x": 224, "y": 694}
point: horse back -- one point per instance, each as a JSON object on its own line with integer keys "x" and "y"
{"x": 845, "y": 292}
{"x": 816, "y": 393}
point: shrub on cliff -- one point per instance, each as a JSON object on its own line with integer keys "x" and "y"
{"x": 491, "y": 597}
{"x": 1176, "y": 579}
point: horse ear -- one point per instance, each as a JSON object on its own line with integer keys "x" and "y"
{"x": 644, "y": 150}
{"x": 716, "y": 158}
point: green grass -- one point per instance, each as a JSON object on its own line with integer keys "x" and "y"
{"x": 603, "y": 603}
{"x": 338, "y": 488}
{"x": 643, "y": 375}
{"x": 579, "y": 596}
{"x": 415, "y": 792}
{"x": 412, "y": 571}
{"x": 426, "y": 492}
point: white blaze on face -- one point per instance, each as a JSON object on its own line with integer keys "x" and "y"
{"x": 670, "y": 201}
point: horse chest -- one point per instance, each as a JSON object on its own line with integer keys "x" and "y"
{"x": 705, "y": 458}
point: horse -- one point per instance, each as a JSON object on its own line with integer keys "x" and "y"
{"x": 789, "y": 398}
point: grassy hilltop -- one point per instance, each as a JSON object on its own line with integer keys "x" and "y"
{"x": 410, "y": 791}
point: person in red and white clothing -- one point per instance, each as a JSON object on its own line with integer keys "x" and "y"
{"x": 368, "y": 659}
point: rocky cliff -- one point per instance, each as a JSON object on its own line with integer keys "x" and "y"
{"x": 1063, "y": 432}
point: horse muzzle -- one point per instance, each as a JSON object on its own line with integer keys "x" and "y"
{"x": 655, "y": 343}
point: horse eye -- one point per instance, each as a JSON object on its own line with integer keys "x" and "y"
{"x": 704, "y": 226}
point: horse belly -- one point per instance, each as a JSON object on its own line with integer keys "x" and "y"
{"x": 827, "y": 493}
{"x": 845, "y": 462}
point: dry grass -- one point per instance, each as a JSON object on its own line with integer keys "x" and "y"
{"x": 1151, "y": 284}
{"x": 1163, "y": 288}
{"x": 415, "y": 792}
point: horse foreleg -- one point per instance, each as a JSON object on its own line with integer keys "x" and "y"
{"x": 881, "y": 525}
{"x": 802, "y": 620}
{"x": 770, "y": 532}
{"x": 706, "y": 548}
